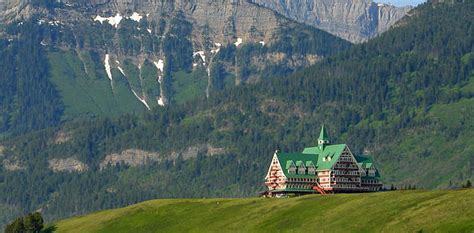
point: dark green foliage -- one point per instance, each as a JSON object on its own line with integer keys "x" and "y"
{"x": 468, "y": 184}
{"x": 31, "y": 223}
{"x": 177, "y": 44}
{"x": 29, "y": 101}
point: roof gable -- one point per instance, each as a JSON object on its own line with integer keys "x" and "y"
{"x": 367, "y": 163}
{"x": 300, "y": 158}
{"x": 327, "y": 157}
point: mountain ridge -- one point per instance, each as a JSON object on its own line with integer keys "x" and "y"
{"x": 355, "y": 21}
{"x": 114, "y": 57}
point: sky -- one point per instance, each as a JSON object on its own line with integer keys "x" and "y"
{"x": 402, "y": 2}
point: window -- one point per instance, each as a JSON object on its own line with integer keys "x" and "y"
{"x": 301, "y": 170}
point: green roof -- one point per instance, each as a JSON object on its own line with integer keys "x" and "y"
{"x": 323, "y": 158}
{"x": 366, "y": 163}
{"x": 327, "y": 157}
{"x": 288, "y": 158}
{"x": 288, "y": 164}
{"x": 323, "y": 135}
{"x": 309, "y": 164}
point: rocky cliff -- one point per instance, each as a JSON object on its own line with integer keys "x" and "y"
{"x": 353, "y": 20}
{"x": 119, "y": 56}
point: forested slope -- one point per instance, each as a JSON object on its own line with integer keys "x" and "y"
{"x": 87, "y": 59}
{"x": 406, "y": 98}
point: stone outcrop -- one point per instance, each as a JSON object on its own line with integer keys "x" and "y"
{"x": 223, "y": 20}
{"x": 194, "y": 151}
{"x": 12, "y": 165}
{"x": 353, "y": 20}
{"x": 67, "y": 165}
{"x": 61, "y": 137}
{"x": 136, "y": 157}
{"x": 130, "y": 157}
{"x": 11, "y": 7}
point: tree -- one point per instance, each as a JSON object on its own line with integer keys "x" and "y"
{"x": 468, "y": 184}
{"x": 31, "y": 223}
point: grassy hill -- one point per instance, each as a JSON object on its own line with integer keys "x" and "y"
{"x": 401, "y": 211}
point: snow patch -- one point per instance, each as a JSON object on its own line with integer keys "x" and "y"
{"x": 239, "y": 42}
{"x": 41, "y": 21}
{"x": 122, "y": 71}
{"x": 114, "y": 21}
{"x": 195, "y": 64}
{"x": 136, "y": 17}
{"x": 201, "y": 54}
{"x": 160, "y": 65}
{"x": 141, "y": 100}
{"x": 218, "y": 45}
{"x": 262, "y": 43}
{"x": 107, "y": 66}
{"x": 149, "y": 30}
{"x": 161, "y": 102}
{"x": 54, "y": 23}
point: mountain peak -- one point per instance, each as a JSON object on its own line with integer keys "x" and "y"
{"x": 355, "y": 21}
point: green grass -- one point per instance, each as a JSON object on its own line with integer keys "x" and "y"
{"x": 188, "y": 86}
{"x": 401, "y": 211}
{"x": 89, "y": 93}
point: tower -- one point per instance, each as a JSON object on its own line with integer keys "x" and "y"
{"x": 323, "y": 139}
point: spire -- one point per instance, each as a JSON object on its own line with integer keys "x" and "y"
{"x": 323, "y": 139}
{"x": 324, "y": 134}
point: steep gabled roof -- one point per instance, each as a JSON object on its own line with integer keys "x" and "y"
{"x": 367, "y": 163}
{"x": 326, "y": 157}
{"x": 309, "y": 164}
{"x": 299, "y": 163}
{"x": 323, "y": 135}
{"x": 289, "y": 158}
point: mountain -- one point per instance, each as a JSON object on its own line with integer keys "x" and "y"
{"x": 390, "y": 211}
{"x": 405, "y": 98}
{"x": 103, "y": 58}
{"x": 356, "y": 21}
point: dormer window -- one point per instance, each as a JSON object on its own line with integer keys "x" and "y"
{"x": 301, "y": 167}
{"x": 311, "y": 168}
{"x": 290, "y": 165}
{"x": 371, "y": 172}
{"x": 292, "y": 170}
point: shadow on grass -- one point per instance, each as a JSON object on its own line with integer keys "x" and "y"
{"x": 49, "y": 229}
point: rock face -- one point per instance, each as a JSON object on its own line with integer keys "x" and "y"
{"x": 67, "y": 165}
{"x": 136, "y": 157}
{"x": 12, "y": 165}
{"x": 353, "y": 20}
{"x": 11, "y": 7}
{"x": 147, "y": 54}
{"x": 131, "y": 157}
{"x": 224, "y": 20}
